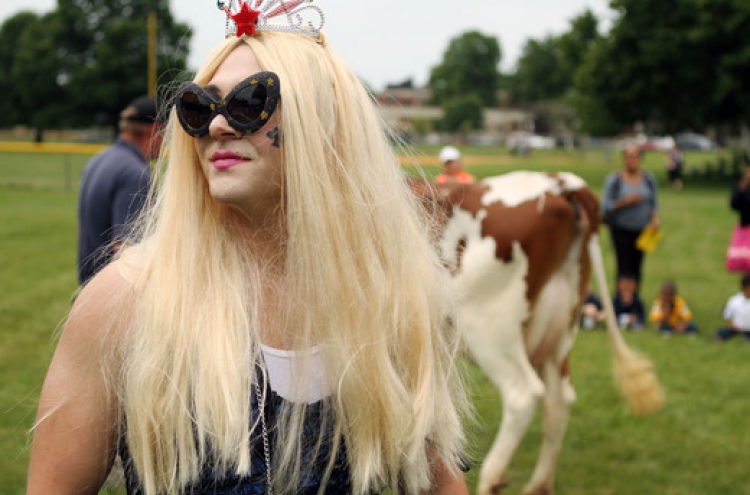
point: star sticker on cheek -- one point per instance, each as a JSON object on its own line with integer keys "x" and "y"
{"x": 245, "y": 19}
{"x": 275, "y": 137}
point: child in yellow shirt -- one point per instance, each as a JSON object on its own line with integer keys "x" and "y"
{"x": 671, "y": 313}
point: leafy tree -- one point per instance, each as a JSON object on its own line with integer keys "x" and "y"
{"x": 10, "y": 42}
{"x": 39, "y": 95}
{"x": 539, "y": 75}
{"x": 673, "y": 64}
{"x": 576, "y": 43}
{"x": 546, "y": 67}
{"x": 724, "y": 28}
{"x": 463, "y": 113}
{"x": 594, "y": 116}
{"x": 104, "y": 48}
{"x": 470, "y": 64}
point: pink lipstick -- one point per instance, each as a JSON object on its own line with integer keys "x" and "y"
{"x": 224, "y": 160}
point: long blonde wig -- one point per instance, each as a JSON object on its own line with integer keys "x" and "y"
{"x": 361, "y": 281}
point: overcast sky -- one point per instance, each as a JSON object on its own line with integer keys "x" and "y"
{"x": 388, "y": 41}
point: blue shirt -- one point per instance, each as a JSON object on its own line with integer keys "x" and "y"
{"x": 314, "y": 458}
{"x": 113, "y": 190}
{"x": 634, "y": 307}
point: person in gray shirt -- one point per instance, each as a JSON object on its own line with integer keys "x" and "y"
{"x": 114, "y": 187}
{"x": 630, "y": 204}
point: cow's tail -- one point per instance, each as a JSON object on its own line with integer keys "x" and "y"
{"x": 634, "y": 374}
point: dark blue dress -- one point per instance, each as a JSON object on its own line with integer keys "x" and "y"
{"x": 314, "y": 463}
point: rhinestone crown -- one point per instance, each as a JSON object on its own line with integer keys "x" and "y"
{"x": 272, "y": 15}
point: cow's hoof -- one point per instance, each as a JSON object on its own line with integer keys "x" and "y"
{"x": 539, "y": 490}
{"x": 497, "y": 488}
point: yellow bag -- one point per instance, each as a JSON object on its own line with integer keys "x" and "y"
{"x": 649, "y": 239}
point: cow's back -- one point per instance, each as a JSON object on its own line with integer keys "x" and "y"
{"x": 542, "y": 213}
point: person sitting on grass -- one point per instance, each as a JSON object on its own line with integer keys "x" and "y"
{"x": 592, "y": 311}
{"x": 671, "y": 313}
{"x": 737, "y": 314}
{"x": 628, "y": 305}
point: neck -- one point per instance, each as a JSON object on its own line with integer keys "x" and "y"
{"x": 136, "y": 141}
{"x": 265, "y": 237}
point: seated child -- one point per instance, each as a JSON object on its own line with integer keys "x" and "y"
{"x": 737, "y": 314}
{"x": 591, "y": 311}
{"x": 670, "y": 312}
{"x": 629, "y": 310}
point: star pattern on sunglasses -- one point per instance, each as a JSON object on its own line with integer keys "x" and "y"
{"x": 246, "y": 108}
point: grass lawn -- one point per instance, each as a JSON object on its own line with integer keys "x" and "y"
{"x": 696, "y": 445}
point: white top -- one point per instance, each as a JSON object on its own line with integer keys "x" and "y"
{"x": 737, "y": 311}
{"x": 280, "y": 365}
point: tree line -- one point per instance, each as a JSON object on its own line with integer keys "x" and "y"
{"x": 82, "y": 63}
{"x": 672, "y": 65}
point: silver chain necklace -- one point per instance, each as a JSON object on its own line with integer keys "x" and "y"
{"x": 264, "y": 432}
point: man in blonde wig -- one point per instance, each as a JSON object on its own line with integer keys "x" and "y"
{"x": 282, "y": 325}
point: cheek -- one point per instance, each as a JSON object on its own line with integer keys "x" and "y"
{"x": 270, "y": 136}
{"x": 200, "y": 146}
{"x": 275, "y": 135}
{"x": 268, "y": 141}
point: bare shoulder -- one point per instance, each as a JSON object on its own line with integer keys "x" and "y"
{"x": 104, "y": 305}
{"x": 75, "y": 434}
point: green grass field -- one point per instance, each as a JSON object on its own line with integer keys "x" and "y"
{"x": 696, "y": 446}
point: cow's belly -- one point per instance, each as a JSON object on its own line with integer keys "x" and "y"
{"x": 497, "y": 315}
{"x": 494, "y": 306}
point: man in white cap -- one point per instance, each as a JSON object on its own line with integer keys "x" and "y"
{"x": 453, "y": 167}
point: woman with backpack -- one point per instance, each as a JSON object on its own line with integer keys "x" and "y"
{"x": 630, "y": 204}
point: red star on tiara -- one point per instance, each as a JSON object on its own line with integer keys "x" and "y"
{"x": 246, "y": 19}
{"x": 254, "y": 16}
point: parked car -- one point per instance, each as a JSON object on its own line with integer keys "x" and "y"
{"x": 693, "y": 141}
{"x": 484, "y": 139}
{"x": 658, "y": 143}
{"x": 525, "y": 139}
{"x": 647, "y": 143}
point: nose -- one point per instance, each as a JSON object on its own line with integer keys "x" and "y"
{"x": 219, "y": 128}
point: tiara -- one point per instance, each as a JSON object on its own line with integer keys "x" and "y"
{"x": 271, "y": 15}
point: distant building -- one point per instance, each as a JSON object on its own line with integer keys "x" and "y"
{"x": 402, "y": 106}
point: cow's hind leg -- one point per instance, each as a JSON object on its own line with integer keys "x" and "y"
{"x": 558, "y": 398}
{"x": 554, "y": 330}
{"x": 521, "y": 390}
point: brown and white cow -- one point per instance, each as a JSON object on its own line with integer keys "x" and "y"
{"x": 521, "y": 247}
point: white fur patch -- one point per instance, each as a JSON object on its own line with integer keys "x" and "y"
{"x": 494, "y": 306}
{"x": 494, "y": 310}
{"x": 514, "y": 188}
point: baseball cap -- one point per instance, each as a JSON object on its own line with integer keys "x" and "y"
{"x": 449, "y": 153}
{"x": 142, "y": 110}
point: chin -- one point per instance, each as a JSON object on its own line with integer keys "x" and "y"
{"x": 229, "y": 197}
{"x": 227, "y": 191}
{"x": 245, "y": 197}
